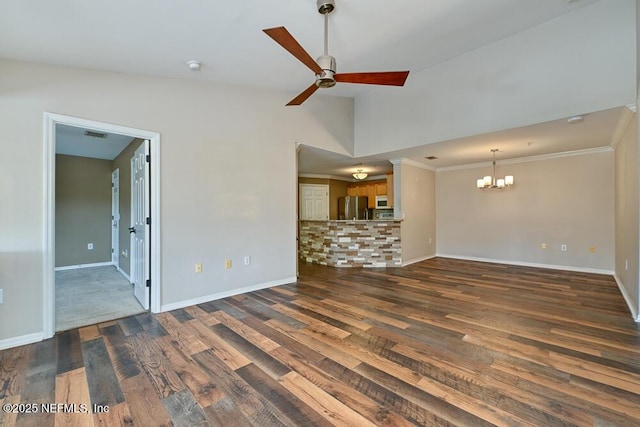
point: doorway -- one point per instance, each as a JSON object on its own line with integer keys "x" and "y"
{"x": 51, "y": 121}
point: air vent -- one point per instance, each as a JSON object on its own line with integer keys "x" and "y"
{"x": 431, "y": 157}
{"x": 95, "y": 134}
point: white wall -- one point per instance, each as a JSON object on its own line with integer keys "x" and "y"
{"x": 626, "y": 212}
{"x": 564, "y": 200}
{"x": 580, "y": 62}
{"x": 417, "y": 208}
{"x": 228, "y": 184}
{"x": 637, "y": 43}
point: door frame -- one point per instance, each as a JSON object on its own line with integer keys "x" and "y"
{"x": 49, "y": 167}
{"x": 115, "y": 217}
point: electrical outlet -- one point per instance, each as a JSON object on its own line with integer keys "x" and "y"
{"x": 563, "y": 248}
{"x": 543, "y": 246}
{"x": 199, "y": 267}
{"x": 592, "y": 249}
{"x": 90, "y": 246}
{"x": 247, "y": 260}
{"x": 227, "y": 263}
{"x": 1, "y": 296}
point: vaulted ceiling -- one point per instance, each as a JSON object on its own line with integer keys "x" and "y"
{"x": 159, "y": 37}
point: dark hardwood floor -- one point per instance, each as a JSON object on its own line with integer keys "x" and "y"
{"x": 441, "y": 342}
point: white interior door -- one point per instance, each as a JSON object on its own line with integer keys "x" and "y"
{"x": 314, "y": 202}
{"x": 140, "y": 224}
{"x": 115, "y": 217}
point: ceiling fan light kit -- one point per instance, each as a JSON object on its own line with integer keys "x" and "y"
{"x": 324, "y": 67}
{"x": 490, "y": 181}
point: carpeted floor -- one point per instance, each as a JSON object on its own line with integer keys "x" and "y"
{"x": 92, "y": 295}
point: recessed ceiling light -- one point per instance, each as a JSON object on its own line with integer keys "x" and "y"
{"x": 193, "y": 65}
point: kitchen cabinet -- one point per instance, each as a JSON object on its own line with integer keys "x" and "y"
{"x": 358, "y": 190}
{"x": 370, "y": 189}
{"x": 371, "y": 196}
{"x": 390, "y": 189}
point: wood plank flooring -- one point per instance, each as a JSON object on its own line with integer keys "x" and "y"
{"x": 441, "y": 342}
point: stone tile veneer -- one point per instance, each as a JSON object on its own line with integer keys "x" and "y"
{"x": 351, "y": 243}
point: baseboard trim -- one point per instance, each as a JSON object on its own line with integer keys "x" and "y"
{"x": 531, "y": 264}
{"x": 77, "y": 266}
{"x": 413, "y": 261}
{"x": 627, "y": 298}
{"x": 21, "y": 340}
{"x": 226, "y": 294}
{"x": 124, "y": 273}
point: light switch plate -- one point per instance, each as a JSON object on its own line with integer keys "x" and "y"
{"x": 1, "y": 296}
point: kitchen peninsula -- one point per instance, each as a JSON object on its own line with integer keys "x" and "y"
{"x": 349, "y": 243}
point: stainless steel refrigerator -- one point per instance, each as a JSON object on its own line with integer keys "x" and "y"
{"x": 353, "y": 207}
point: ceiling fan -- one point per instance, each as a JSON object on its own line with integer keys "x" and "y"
{"x": 325, "y": 66}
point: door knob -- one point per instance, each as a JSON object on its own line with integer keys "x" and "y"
{"x": 132, "y": 230}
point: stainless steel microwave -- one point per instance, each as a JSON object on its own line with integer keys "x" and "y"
{"x": 382, "y": 202}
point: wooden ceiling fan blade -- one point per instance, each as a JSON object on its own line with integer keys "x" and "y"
{"x": 389, "y": 78}
{"x": 286, "y": 40}
{"x": 304, "y": 95}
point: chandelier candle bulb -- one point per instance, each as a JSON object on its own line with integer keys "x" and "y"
{"x": 508, "y": 180}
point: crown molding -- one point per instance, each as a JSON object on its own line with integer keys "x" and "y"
{"x": 323, "y": 176}
{"x": 628, "y": 113}
{"x": 342, "y": 178}
{"x": 586, "y": 151}
{"x": 405, "y": 161}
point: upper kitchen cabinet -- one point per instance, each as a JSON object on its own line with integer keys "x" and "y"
{"x": 370, "y": 189}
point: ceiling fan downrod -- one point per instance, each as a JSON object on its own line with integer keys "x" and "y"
{"x": 326, "y": 62}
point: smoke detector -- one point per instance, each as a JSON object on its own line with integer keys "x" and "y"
{"x": 193, "y": 65}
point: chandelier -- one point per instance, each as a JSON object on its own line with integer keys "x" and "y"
{"x": 360, "y": 175}
{"x": 491, "y": 181}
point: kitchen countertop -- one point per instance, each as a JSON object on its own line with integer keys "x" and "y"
{"x": 352, "y": 220}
